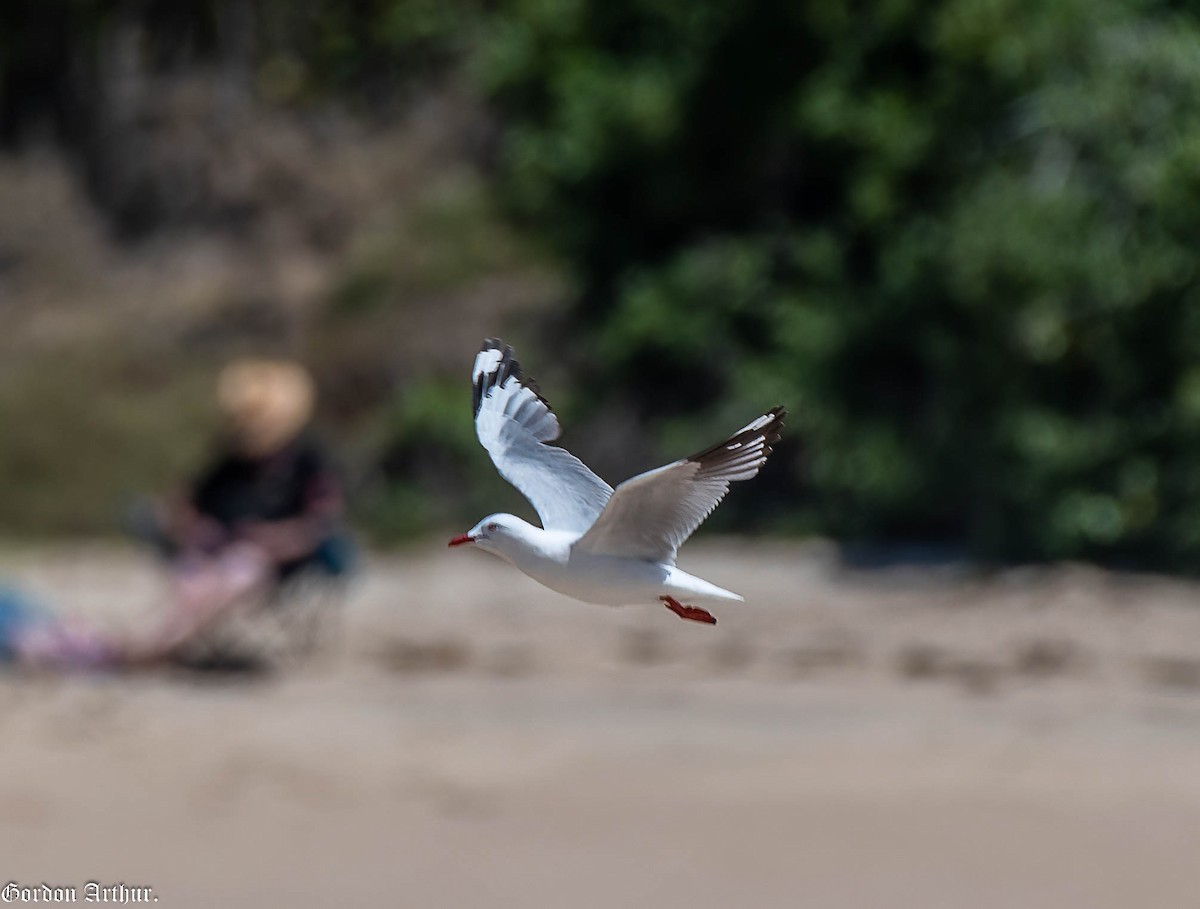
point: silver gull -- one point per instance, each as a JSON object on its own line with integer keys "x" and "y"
{"x": 596, "y": 544}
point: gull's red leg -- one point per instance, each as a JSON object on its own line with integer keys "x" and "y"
{"x": 692, "y": 613}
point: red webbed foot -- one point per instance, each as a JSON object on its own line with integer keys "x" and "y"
{"x": 691, "y": 613}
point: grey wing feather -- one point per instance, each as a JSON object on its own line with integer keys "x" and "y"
{"x": 651, "y": 515}
{"x": 514, "y": 423}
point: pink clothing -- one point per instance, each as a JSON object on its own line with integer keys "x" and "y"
{"x": 53, "y": 643}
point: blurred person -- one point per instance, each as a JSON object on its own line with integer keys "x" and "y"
{"x": 268, "y": 505}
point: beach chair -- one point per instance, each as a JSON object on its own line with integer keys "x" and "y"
{"x": 296, "y": 618}
{"x": 302, "y": 612}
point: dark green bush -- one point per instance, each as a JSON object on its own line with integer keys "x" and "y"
{"x": 957, "y": 238}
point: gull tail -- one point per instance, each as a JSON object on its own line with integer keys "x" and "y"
{"x": 689, "y": 588}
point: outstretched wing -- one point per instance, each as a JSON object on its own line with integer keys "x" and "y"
{"x": 514, "y": 423}
{"x": 650, "y": 515}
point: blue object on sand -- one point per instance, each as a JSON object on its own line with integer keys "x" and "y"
{"x": 17, "y": 612}
{"x": 337, "y": 554}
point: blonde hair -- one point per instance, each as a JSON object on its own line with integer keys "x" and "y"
{"x": 267, "y": 402}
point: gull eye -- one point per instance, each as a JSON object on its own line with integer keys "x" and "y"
{"x": 492, "y": 527}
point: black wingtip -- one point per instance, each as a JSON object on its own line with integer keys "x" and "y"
{"x": 506, "y": 366}
{"x": 773, "y": 431}
{"x": 768, "y": 427}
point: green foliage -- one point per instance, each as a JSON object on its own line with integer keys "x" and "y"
{"x": 957, "y": 238}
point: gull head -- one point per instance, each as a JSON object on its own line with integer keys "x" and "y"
{"x": 501, "y": 534}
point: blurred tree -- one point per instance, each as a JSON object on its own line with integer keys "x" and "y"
{"x": 957, "y": 238}
{"x": 138, "y": 89}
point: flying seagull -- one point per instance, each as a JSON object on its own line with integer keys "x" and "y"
{"x": 596, "y": 544}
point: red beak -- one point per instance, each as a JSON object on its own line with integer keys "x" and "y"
{"x": 460, "y": 539}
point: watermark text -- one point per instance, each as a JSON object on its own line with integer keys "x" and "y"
{"x": 91, "y": 892}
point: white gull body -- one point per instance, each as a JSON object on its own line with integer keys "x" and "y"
{"x": 596, "y": 544}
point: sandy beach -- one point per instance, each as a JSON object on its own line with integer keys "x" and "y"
{"x": 897, "y": 737}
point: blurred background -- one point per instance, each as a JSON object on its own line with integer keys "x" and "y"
{"x": 957, "y": 239}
